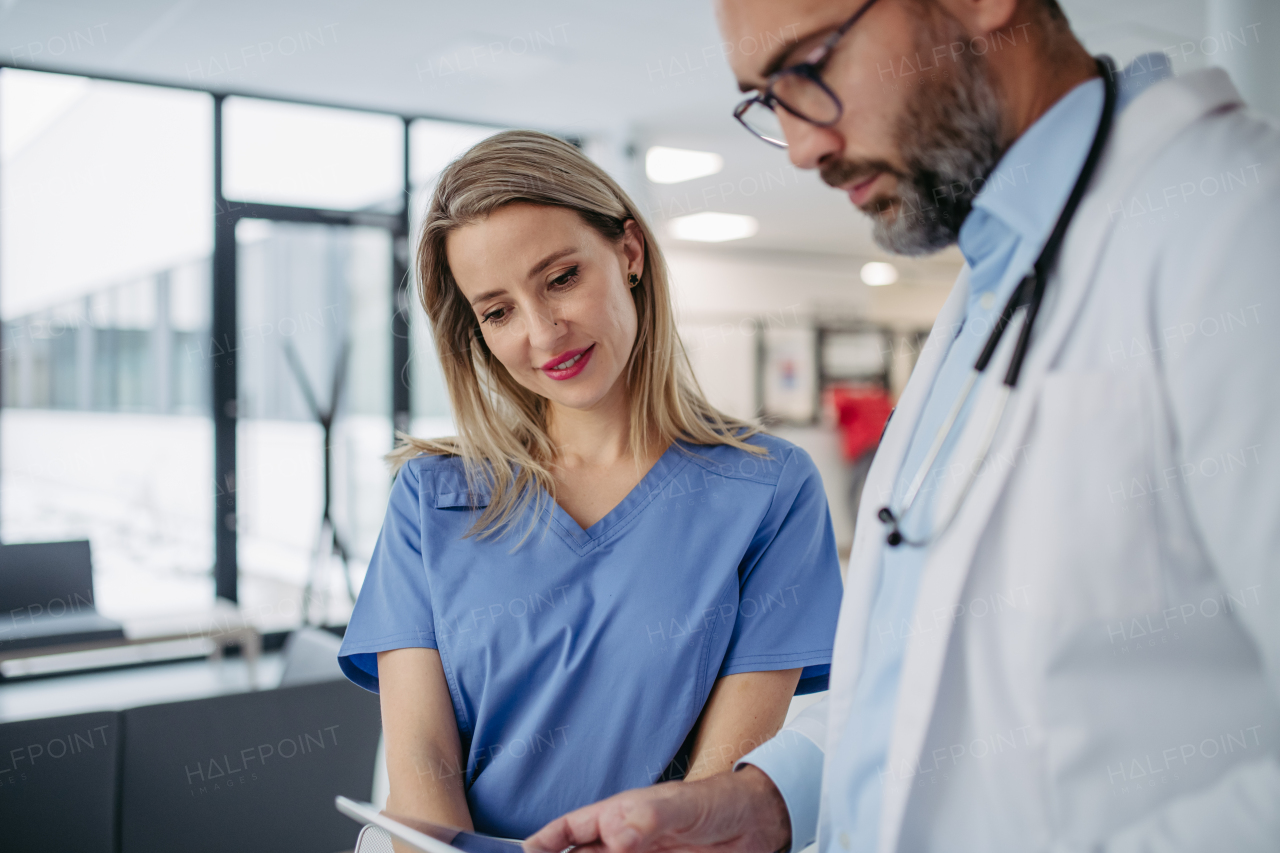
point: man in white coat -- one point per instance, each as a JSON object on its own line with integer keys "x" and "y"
{"x": 1061, "y": 621}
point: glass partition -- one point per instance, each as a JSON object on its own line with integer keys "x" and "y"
{"x": 106, "y": 228}
{"x": 315, "y": 309}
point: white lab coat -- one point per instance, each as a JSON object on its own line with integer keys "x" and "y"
{"x": 1094, "y": 658}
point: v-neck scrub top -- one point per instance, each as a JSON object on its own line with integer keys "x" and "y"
{"x": 579, "y": 661}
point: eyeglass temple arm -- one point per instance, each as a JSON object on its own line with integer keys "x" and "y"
{"x": 847, "y": 25}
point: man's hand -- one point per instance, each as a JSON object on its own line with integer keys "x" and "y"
{"x": 730, "y": 813}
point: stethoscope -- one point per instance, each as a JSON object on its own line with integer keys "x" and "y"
{"x": 1029, "y": 293}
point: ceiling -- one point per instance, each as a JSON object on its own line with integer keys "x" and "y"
{"x": 623, "y": 76}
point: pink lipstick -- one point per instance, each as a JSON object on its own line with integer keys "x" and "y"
{"x": 568, "y": 364}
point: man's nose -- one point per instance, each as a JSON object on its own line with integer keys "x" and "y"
{"x": 808, "y": 144}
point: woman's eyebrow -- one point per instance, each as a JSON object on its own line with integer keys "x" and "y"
{"x": 488, "y": 294}
{"x": 551, "y": 259}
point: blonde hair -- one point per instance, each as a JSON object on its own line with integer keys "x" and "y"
{"x": 502, "y": 425}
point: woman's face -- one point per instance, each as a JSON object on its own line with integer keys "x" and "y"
{"x": 552, "y": 299}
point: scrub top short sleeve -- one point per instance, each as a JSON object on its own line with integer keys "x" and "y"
{"x": 789, "y": 596}
{"x": 578, "y": 660}
{"x": 394, "y": 607}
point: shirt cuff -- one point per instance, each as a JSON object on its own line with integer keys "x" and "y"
{"x": 793, "y": 763}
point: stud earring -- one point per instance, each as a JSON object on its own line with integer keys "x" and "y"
{"x": 635, "y": 279}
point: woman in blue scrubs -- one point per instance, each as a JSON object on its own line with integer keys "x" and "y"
{"x": 602, "y": 581}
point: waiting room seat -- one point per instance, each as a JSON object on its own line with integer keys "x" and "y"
{"x": 58, "y": 783}
{"x": 248, "y": 772}
{"x": 311, "y": 655}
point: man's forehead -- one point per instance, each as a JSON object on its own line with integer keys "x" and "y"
{"x": 758, "y": 29}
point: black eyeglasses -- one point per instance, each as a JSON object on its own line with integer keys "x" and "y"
{"x": 799, "y": 90}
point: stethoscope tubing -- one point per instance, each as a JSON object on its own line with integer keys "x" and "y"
{"x": 1030, "y": 293}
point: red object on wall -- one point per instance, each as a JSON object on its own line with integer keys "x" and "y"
{"x": 861, "y": 413}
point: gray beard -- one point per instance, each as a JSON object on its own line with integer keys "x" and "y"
{"x": 949, "y": 137}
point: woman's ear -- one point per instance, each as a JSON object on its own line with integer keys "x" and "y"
{"x": 632, "y": 250}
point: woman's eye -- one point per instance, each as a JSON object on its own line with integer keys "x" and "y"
{"x": 496, "y": 316}
{"x": 568, "y": 277}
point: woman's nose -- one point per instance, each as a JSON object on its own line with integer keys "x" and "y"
{"x": 544, "y": 327}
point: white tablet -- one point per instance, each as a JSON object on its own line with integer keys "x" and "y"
{"x": 423, "y": 835}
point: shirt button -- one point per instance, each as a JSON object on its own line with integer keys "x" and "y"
{"x": 987, "y": 301}
{"x": 844, "y": 840}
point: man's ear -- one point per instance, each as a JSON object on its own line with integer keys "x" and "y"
{"x": 979, "y": 17}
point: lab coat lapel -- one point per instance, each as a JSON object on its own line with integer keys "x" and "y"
{"x": 864, "y": 558}
{"x": 1139, "y": 133}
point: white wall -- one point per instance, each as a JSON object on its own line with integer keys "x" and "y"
{"x": 722, "y": 299}
{"x": 724, "y": 296}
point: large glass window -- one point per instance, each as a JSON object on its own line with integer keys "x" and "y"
{"x": 311, "y": 156}
{"x": 108, "y": 359}
{"x": 315, "y": 313}
{"x": 104, "y": 292}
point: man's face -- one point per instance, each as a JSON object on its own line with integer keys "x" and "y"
{"x": 919, "y": 122}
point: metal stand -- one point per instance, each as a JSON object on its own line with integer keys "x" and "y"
{"x": 328, "y": 530}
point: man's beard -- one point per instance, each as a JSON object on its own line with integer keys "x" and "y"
{"x": 949, "y": 136}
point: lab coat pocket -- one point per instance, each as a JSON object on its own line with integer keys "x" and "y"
{"x": 1085, "y": 516}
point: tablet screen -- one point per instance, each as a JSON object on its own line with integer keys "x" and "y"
{"x": 469, "y": 842}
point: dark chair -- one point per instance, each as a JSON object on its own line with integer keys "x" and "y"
{"x": 248, "y": 772}
{"x": 46, "y": 597}
{"x": 59, "y": 784}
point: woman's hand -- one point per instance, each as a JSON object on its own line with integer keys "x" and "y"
{"x": 743, "y": 712}
{"x": 425, "y": 764}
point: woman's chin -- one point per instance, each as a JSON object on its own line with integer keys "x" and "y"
{"x": 582, "y": 392}
{"x": 582, "y": 398}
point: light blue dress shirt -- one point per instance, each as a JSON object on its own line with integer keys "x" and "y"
{"x": 1011, "y": 219}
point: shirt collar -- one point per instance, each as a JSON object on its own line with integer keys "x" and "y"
{"x": 1030, "y": 184}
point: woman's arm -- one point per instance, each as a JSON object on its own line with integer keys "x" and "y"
{"x": 424, "y": 754}
{"x": 743, "y": 711}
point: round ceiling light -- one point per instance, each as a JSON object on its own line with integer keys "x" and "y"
{"x": 673, "y": 165}
{"x": 879, "y": 273}
{"x": 711, "y": 227}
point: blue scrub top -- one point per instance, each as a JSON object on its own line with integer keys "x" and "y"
{"x": 579, "y": 662}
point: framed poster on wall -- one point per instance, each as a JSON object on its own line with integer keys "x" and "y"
{"x": 789, "y": 375}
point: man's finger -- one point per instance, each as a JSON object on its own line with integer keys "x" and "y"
{"x": 629, "y": 823}
{"x": 552, "y": 838}
{"x": 574, "y": 829}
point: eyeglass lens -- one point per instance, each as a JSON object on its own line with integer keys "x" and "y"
{"x": 763, "y": 122}
{"x": 806, "y": 97}
{"x": 799, "y": 94}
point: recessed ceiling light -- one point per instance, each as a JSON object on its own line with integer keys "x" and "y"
{"x": 673, "y": 165}
{"x": 713, "y": 227}
{"x": 878, "y": 273}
